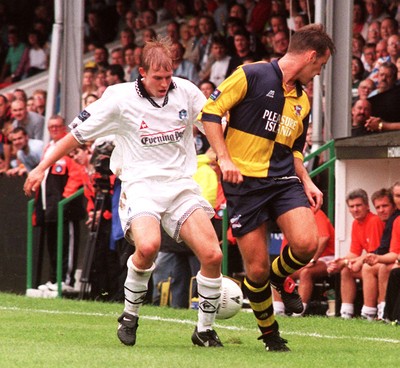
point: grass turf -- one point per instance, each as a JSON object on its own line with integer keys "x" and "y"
{"x": 70, "y": 333}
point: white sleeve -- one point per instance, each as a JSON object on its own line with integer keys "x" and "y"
{"x": 99, "y": 119}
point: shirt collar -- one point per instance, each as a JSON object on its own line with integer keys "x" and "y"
{"x": 141, "y": 91}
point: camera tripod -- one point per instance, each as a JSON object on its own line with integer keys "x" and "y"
{"x": 102, "y": 197}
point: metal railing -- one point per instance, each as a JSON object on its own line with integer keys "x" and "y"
{"x": 329, "y": 165}
{"x": 60, "y": 231}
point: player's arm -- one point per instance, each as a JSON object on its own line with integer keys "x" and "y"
{"x": 61, "y": 148}
{"x": 215, "y": 136}
{"x": 228, "y": 94}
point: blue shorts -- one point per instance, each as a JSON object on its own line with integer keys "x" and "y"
{"x": 258, "y": 200}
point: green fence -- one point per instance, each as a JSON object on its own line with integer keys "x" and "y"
{"x": 60, "y": 230}
{"x": 329, "y": 165}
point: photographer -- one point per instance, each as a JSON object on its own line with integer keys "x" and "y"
{"x": 106, "y": 237}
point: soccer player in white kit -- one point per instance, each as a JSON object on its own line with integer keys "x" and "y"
{"x": 154, "y": 156}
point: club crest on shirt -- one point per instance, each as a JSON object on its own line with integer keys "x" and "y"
{"x": 183, "y": 114}
{"x": 83, "y": 115}
{"x": 215, "y": 94}
{"x": 297, "y": 109}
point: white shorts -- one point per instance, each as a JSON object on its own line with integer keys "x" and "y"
{"x": 170, "y": 202}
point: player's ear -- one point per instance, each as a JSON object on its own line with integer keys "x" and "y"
{"x": 312, "y": 56}
{"x": 142, "y": 72}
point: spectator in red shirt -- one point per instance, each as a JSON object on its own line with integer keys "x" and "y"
{"x": 366, "y": 234}
{"x": 63, "y": 179}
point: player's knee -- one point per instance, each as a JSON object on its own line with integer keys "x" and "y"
{"x": 305, "y": 247}
{"x": 147, "y": 251}
{"x": 258, "y": 273}
{"x": 212, "y": 257}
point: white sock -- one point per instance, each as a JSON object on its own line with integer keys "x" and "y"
{"x": 381, "y": 308}
{"x": 368, "y": 312}
{"x": 136, "y": 287}
{"x": 209, "y": 291}
{"x": 279, "y": 308}
{"x": 347, "y": 310}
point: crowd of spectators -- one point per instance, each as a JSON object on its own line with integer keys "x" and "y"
{"x": 210, "y": 39}
{"x": 374, "y": 68}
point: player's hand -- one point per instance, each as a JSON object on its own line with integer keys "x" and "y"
{"x": 230, "y": 172}
{"x": 314, "y": 195}
{"x": 33, "y": 181}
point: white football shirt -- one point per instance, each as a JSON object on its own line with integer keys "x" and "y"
{"x": 153, "y": 139}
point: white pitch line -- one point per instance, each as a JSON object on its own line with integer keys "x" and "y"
{"x": 190, "y": 322}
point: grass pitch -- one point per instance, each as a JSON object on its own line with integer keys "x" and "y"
{"x": 67, "y": 333}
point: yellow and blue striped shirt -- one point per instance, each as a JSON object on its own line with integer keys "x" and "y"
{"x": 267, "y": 125}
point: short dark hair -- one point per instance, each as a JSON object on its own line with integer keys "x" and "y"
{"x": 19, "y": 129}
{"x": 207, "y": 81}
{"x": 382, "y": 193}
{"x": 219, "y": 40}
{"x": 358, "y": 193}
{"x": 392, "y": 67}
{"x": 242, "y": 32}
{"x": 311, "y": 37}
{"x": 118, "y": 70}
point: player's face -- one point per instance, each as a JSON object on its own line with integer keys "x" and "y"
{"x": 313, "y": 67}
{"x": 156, "y": 82}
{"x": 384, "y": 208}
{"x": 358, "y": 208}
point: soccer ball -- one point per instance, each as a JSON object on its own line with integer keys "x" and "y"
{"x": 231, "y": 299}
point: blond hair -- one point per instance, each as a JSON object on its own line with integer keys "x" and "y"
{"x": 157, "y": 54}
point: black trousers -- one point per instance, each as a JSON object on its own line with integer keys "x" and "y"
{"x": 392, "y": 307}
{"x": 71, "y": 235}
